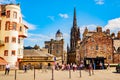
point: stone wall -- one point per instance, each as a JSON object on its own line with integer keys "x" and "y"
{"x": 116, "y": 57}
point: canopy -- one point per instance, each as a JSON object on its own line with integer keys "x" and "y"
{"x": 2, "y": 61}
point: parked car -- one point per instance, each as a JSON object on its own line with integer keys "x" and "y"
{"x": 118, "y": 68}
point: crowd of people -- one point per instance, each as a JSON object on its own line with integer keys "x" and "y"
{"x": 62, "y": 67}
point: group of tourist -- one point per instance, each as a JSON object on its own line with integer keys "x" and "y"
{"x": 74, "y": 66}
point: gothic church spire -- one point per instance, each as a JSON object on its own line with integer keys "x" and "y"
{"x": 74, "y": 19}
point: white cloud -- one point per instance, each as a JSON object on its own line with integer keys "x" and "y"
{"x": 40, "y": 36}
{"x": 38, "y": 39}
{"x": 51, "y": 17}
{"x": 113, "y": 25}
{"x": 99, "y": 2}
{"x": 63, "y": 15}
{"x": 91, "y": 27}
{"x": 66, "y": 35}
{"x": 7, "y": 1}
{"x": 29, "y": 25}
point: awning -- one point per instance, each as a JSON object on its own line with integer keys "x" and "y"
{"x": 2, "y": 61}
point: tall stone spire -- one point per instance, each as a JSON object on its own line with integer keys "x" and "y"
{"x": 75, "y": 33}
{"x": 74, "y": 19}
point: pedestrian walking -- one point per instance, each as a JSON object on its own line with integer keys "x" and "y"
{"x": 7, "y": 69}
{"x": 25, "y": 68}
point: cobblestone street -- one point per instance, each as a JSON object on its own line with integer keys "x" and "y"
{"x": 61, "y": 75}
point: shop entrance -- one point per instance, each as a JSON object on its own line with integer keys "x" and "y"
{"x": 96, "y": 62}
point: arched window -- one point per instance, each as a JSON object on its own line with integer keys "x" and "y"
{"x": 14, "y": 25}
{"x": 8, "y": 14}
{"x": 7, "y": 25}
{"x": 20, "y": 28}
{"x": 6, "y": 53}
{"x": 13, "y": 53}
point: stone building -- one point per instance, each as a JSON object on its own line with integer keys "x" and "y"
{"x": 12, "y": 33}
{"x": 56, "y": 47}
{"x": 36, "y": 58}
{"x": 96, "y": 46}
{"x": 74, "y": 38}
{"x": 116, "y": 45}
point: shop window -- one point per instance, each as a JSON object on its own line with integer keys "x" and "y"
{"x": 6, "y": 39}
{"x": 8, "y": 14}
{"x": 6, "y": 53}
{"x": 13, "y": 53}
{"x": 14, "y": 39}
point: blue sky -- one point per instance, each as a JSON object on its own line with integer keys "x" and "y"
{"x": 45, "y": 17}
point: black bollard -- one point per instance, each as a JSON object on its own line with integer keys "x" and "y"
{"x": 89, "y": 72}
{"x": 15, "y": 74}
{"x": 80, "y": 72}
{"x": 92, "y": 71}
{"x": 34, "y": 73}
{"x": 69, "y": 73}
{"x": 52, "y": 74}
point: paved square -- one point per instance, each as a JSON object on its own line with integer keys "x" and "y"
{"x": 61, "y": 75}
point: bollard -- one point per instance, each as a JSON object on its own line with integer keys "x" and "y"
{"x": 89, "y": 73}
{"x": 34, "y": 73}
{"x": 92, "y": 72}
{"x": 15, "y": 74}
{"x": 80, "y": 72}
{"x": 52, "y": 74}
{"x": 69, "y": 73}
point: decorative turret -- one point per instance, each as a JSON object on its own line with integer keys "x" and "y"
{"x": 108, "y": 31}
{"x": 99, "y": 29}
{"x": 113, "y": 35}
{"x": 118, "y": 35}
{"x": 85, "y": 32}
{"x": 59, "y": 35}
